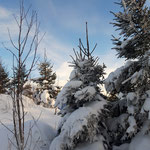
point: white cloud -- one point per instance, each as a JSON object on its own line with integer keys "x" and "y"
{"x": 111, "y": 61}
{"x": 57, "y": 51}
{"x": 4, "y": 13}
{"x": 63, "y": 73}
{"x": 7, "y": 22}
{"x": 55, "y": 48}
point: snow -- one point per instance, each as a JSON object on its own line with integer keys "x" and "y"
{"x": 131, "y": 96}
{"x": 45, "y": 96}
{"x": 44, "y": 124}
{"x": 41, "y": 136}
{"x": 148, "y": 93}
{"x": 87, "y": 91}
{"x": 45, "y": 81}
{"x": 60, "y": 101}
{"x": 146, "y": 105}
{"x": 33, "y": 85}
{"x": 140, "y": 143}
{"x": 131, "y": 100}
{"x": 132, "y": 125}
{"x": 122, "y": 147}
{"x": 124, "y": 43}
{"x": 73, "y": 74}
{"x": 131, "y": 110}
{"x": 75, "y": 123}
{"x": 120, "y": 95}
{"x": 73, "y": 84}
{"x": 117, "y": 72}
{"x": 52, "y": 102}
{"x": 91, "y": 146}
{"x": 111, "y": 80}
{"x": 82, "y": 63}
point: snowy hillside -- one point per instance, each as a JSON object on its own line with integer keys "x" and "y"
{"x": 43, "y": 126}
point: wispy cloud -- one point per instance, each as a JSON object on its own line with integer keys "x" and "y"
{"x": 4, "y": 13}
{"x": 63, "y": 73}
{"x": 111, "y": 61}
{"x": 57, "y": 51}
{"x": 72, "y": 16}
{"x": 7, "y": 22}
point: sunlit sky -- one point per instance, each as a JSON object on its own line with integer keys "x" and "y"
{"x": 64, "y": 23}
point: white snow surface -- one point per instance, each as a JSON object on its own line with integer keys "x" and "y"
{"x": 73, "y": 84}
{"x": 113, "y": 76}
{"x": 98, "y": 145}
{"x": 60, "y": 101}
{"x": 75, "y": 122}
{"x": 90, "y": 90}
{"x": 44, "y": 124}
{"x": 73, "y": 74}
{"x": 131, "y": 100}
{"x": 82, "y": 63}
{"x": 45, "y": 96}
{"x": 122, "y": 147}
{"x": 33, "y": 85}
{"x": 140, "y": 142}
{"x": 131, "y": 96}
{"x": 132, "y": 125}
{"x": 146, "y": 105}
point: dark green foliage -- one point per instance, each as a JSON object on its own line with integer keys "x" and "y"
{"x": 131, "y": 82}
{"x": 134, "y": 26}
{"x": 22, "y": 76}
{"x": 4, "y": 80}
{"x": 47, "y": 78}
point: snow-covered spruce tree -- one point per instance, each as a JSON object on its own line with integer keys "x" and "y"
{"x": 22, "y": 74}
{"x": 4, "y": 80}
{"x": 18, "y": 74}
{"x": 131, "y": 83}
{"x": 81, "y": 103}
{"x": 47, "y": 78}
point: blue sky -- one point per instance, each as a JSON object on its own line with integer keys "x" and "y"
{"x": 64, "y": 23}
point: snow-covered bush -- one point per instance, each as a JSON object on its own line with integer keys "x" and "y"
{"x": 33, "y": 90}
{"x": 81, "y": 104}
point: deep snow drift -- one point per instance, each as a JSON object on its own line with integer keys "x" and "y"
{"x": 43, "y": 125}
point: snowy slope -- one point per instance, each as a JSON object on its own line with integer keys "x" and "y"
{"x": 43, "y": 131}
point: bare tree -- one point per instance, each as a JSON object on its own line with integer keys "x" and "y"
{"x": 27, "y": 44}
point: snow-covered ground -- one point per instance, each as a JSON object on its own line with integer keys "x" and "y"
{"x": 44, "y": 124}
{"x": 44, "y": 130}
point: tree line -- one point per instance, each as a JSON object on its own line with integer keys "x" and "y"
{"x": 32, "y": 88}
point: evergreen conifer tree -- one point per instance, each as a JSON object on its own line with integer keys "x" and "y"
{"x": 4, "y": 80}
{"x": 81, "y": 103}
{"x": 23, "y": 75}
{"x": 47, "y": 78}
{"x": 131, "y": 83}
